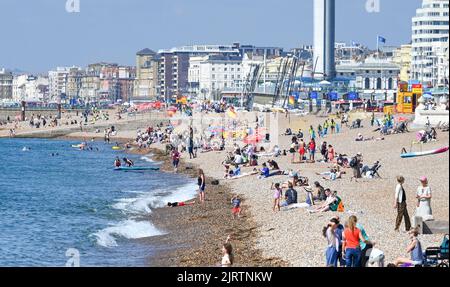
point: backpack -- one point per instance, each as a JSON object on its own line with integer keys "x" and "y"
{"x": 353, "y": 162}
{"x": 341, "y": 207}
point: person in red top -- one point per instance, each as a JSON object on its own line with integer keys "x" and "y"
{"x": 175, "y": 159}
{"x": 351, "y": 239}
{"x": 312, "y": 149}
{"x": 331, "y": 153}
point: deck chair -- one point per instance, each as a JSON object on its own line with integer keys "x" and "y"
{"x": 375, "y": 171}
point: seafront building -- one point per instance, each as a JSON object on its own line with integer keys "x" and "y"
{"x": 57, "y": 80}
{"x": 430, "y": 38}
{"x": 174, "y": 67}
{"x": 212, "y": 74}
{"x": 30, "y": 88}
{"x": 6, "y": 85}
{"x": 374, "y": 78}
{"x": 402, "y": 58}
{"x": 146, "y": 85}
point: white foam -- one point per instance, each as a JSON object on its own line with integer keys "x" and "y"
{"x": 146, "y": 201}
{"x": 150, "y": 160}
{"x": 147, "y": 159}
{"x": 128, "y": 229}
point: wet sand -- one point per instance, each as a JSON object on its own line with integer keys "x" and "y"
{"x": 196, "y": 233}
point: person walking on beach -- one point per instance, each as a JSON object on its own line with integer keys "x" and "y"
{"x": 236, "y": 202}
{"x": 400, "y": 205}
{"x": 201, "y": 180}
{"x": 351, "y": 243}
{"x": 278, "y": 193}
{"x": 175, "y": 159}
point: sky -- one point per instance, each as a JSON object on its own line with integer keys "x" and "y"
{"x": 39, "y": 35}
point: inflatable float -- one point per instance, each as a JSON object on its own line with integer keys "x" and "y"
{"x": 424, "y": 153}
{"x": 117, "y": 148}
{"x": 78, "y": 145}
{"x": 135, "y": 168}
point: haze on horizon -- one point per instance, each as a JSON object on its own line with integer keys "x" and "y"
{"x": 39, "y": 35}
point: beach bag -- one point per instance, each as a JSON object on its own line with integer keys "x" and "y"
{"x": 341, "y": 207}
{"x": 444, "y": 247}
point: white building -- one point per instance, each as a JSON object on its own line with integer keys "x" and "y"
{"x": 373, "y": 77}
{"x": 30, "y": 88}
{"x": 430, "y": 31}
{"x": 214, "y": 74}
{"x": 58, "y": 80}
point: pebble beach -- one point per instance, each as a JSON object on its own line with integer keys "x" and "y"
{"x": 294, "y": 237}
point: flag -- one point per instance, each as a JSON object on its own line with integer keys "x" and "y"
{"x": 292, "y": 100}
{"x": 381, "y": 40}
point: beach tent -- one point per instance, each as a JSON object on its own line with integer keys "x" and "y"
{"x": 324, "y": 83}
{"x": 253, "y": 139}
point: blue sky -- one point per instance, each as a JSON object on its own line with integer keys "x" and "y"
{"x": 38, "y": 35}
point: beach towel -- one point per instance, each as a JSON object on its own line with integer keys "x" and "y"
{"x": 243, "y": 175}
{"x": 297, "y": 205}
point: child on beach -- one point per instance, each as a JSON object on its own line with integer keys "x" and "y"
{"x": 264, "y": 172}
{"x": 175, "y": 159}
{"x": 236, "y": 202}
{"x": 179, "y": 204}
{"x": 278, "y": 193}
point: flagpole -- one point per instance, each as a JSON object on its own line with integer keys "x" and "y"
{"x": 378, "y": 43}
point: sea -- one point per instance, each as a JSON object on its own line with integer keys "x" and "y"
{"x": 60, "y": 206}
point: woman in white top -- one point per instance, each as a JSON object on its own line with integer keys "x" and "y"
{"x": 424, "y": 200}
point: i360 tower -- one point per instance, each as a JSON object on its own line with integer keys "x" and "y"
{"x": 324, "y": 39}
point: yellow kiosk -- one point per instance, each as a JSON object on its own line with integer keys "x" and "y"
{"x": 405, "y": 102}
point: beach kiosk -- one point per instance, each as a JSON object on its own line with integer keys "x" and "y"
{"x": 406, "y": 100}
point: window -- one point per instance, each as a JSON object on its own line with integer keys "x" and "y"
{"x": 390, "y": 84}
{"x": 379, "y": 83}
{"x": 367, "y": 83}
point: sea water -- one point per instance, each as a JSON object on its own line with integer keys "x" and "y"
{"x": 55, "y": 199}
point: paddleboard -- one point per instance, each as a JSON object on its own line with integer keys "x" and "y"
{"x": 77, "y": 146}
{"x": 135, "y": 168}
{"x": 424, "y": 153}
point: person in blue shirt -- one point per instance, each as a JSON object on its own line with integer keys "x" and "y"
{"x": 290, "y": 196}
{"x": 364, "y": 247}
{"x": 265, "y": 171}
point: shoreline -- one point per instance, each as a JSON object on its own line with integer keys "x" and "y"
{"x": 198, "y": 232}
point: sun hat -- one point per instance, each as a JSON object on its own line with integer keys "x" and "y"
{"x": 423, "y": 179}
